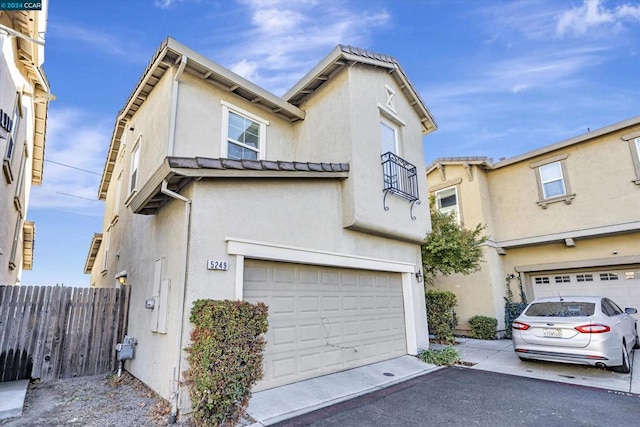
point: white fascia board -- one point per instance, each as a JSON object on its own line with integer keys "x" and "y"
{"x": 586, "y": 233}
{"x": 276, "y": 252}
{"x": 571, "y": 141}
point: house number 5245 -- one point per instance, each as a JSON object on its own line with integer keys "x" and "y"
{"x": 217, "y": 265}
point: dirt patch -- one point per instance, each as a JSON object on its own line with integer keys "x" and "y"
{"x": 93, "y": 401}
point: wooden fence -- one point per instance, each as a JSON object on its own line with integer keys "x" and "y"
{"x": 51, "y": 332}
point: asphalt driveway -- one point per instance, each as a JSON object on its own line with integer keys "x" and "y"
{"x": 458, "y": 396}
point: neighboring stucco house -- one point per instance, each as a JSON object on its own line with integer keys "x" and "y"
{"x": 24, "y": 101}
{"x": 564, "y": 219}
{"x": 216, "y": 188}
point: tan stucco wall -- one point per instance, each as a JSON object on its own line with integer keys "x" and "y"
{"x": 199, "y": 122}
{"x": 343, "y": 125}
{"x": 599, "y": 172}
{"x": 12, "y": 81}
{"x": 302, "y": 213}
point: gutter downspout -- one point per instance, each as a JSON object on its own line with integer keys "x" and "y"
{"x": 177, "y": 370}
{"x": 175, "y": 84}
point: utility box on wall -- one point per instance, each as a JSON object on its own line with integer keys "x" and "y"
{"x": 125, "y": 349}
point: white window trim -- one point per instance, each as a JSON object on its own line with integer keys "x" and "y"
{"x": 636, "y": 160}
{"x": 118, "y": 201}
{"x": 134, "y": 166}
{"x": 568, "y": 196}
{"x": 224, "y": 149}
{"x": 555, "y": 179}
{"x": 17, "y": 234}
{"x": 12, "y": 137}
{"x": 105, "y": 258}
{"x": 395, "y": 129}
{"x": 457, "y": 193}
{"x": 20, "y": 184}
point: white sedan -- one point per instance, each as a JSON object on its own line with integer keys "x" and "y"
{"x": 582, "y": 330}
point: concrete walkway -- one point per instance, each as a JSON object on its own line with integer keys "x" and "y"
{"x": 498, "y": 356}
{"x": 12, "y": 394}
{"x": 271, "y": 406}
{"x": 277, "y": 404}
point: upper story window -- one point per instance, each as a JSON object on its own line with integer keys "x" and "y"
{"x": 244, "y": 134}
{"x": 447, "y": 201}
{"x": 12, "y": 127}
{"x": 389, "y": 137}
{"x": 552, "y": 180}
{"x": 633, "y": 139}
{"x": 135, "y": 163}
{"x": 553, "y": 185}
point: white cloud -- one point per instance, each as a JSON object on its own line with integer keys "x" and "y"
{"x": 165, "y": 4}
{"x": 286, "y": 38}
{"x": 98, "y": 41}
{"x": 246, "y": 69}
{"x": 593, "y": 14}
{"x": 77, "y": 139}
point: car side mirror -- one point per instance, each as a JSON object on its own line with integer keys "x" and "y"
{"x": 630, "y": 310}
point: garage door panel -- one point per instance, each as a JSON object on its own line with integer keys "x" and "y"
{"x": 622, "y": 285}
{"x": 323, "y": 319}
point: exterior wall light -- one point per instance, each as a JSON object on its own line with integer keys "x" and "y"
{"x": 419, "y": 276}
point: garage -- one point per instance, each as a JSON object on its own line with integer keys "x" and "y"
{"x": 621, "y": 285}
{"x": 325, "y": 319}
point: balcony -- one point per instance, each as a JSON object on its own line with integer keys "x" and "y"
{"x": 400, "y": 179}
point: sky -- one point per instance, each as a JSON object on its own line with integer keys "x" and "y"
{"x": 500, "y": 77}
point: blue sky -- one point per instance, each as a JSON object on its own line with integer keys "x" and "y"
{"x": 500, "y": 77}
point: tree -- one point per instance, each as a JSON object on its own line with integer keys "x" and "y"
{"x": 451, "y": 248}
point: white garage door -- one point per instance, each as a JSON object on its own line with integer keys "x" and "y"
{"x": 323, "y": 319}
{"x": 620, "y": 285}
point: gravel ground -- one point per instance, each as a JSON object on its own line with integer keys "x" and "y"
{"x": 102, "y": 400}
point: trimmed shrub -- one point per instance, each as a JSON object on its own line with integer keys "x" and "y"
{"x": 483, "y": 327}
{"x": 225, "y": 358}
{"x": 444, "y": 356}
{"x": 440, "y": 315}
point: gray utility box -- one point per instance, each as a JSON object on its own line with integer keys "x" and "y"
{"x": 125, "y": 349}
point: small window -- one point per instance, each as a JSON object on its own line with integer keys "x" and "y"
{"x": 552, "y": 180}
{"x": 135, "y": 163}
{"x": 13, "y": 126}
{"x": 632, "y": 275}
{"x": 389, "y": 138}
{"x": 116, "y": 209}
{"x": 244, "y": 134}
{"x": 584, "y": 277}
{"x": 605, "y": 277}
{"x": 447, "y": 201}
{"x": 105, "y": 259}
{"x": 562, "y": 279}
{"x": 542, "y": 280}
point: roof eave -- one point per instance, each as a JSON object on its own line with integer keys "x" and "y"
{"x": 569, "y": 142}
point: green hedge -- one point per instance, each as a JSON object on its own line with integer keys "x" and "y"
{"x": 483, "y": 327}
{"x": 441, "y": 317}
{"x": 225, "y": 359}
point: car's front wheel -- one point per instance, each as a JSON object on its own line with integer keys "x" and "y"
{"x": 637, "y": 346}
{"x": 625, "y": 368}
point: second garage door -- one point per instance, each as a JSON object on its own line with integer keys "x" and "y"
{"x": 323, "y": 319}
{"x": 620, "y": 285}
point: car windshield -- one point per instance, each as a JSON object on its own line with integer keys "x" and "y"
{"x": 561, "y": 309}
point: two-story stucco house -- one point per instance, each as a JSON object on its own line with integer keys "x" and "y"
{"x": 216, "y": 188}
{"x": 24, "y": 100}
{"x": 564, "y": 219}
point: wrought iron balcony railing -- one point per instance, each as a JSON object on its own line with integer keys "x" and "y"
{"x": 400, "y": 179}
